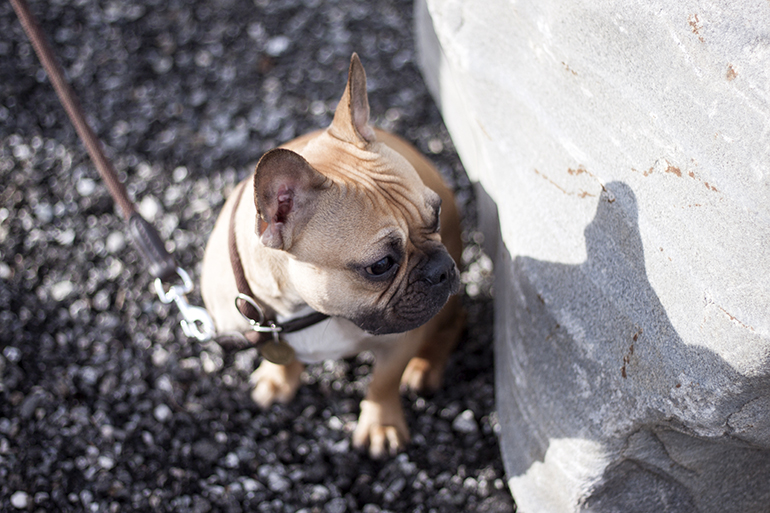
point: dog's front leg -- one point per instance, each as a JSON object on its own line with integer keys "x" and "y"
{"x": 381, "y": 425}
{"x": 275, "y": 383}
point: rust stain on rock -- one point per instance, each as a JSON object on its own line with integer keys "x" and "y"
{"x": 566, "y": 66}
{"x": 626, "y": 361}
{"x": 671, "y": 169}
{"x": 630, "y": 353}
{"x": 484, "y": 130}
{"x": 551, "y": 181}
{"x": 734, "y": 319}
{"x": 644, "y": 173}
{"x": 695, "y": 25}
{"x": 581, "y": 169}
{"x": 580, "y": 194}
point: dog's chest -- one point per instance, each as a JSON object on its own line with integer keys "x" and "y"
{"x": 332, "y": 339}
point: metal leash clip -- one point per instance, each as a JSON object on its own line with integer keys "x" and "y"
{"x": 196, "y": 321}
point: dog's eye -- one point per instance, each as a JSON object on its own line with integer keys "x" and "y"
{"x": 381, "y": 267}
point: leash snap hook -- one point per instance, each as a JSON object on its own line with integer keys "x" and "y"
{"x": 196, "y": 321}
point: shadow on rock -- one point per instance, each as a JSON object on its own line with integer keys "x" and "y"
{"x": 587, "y": 354}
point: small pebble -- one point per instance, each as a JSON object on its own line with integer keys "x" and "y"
{"x": 116, "y": 241}
{"x": 206, "y": 450}
{"x": 86, "y": 186}
{"x": 251, "y": 485}
{"x": 44, "y": 212}
{"x": 149, "y": 207}
{"x": 20, "y": 500}
{"x": 338, "y": 505}
{"x": 277, "y": 483}
{"x": 232, "y": 460}
{"x": 278, "y": 45}
{"x": 61, "y": 290}
{"x": 106, "y": 462}
{"x": 465, "y": 423}
{"x": 12, "y": 353}
{"x": 162, "y": 413}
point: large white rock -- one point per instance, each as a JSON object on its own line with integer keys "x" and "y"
{"x": 626, "y": 147}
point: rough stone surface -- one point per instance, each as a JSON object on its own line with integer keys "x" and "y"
{"x": 104, "y": 404}
{"x": 625, "y": 148}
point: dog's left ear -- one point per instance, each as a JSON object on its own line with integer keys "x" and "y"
{"x": 285, "y": 189}
{"x": 351, "y": 119}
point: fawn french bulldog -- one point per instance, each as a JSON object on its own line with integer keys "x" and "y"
{"x": 352, "y": 222}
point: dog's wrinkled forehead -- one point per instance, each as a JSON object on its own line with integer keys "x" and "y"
{"x": 382, "y": 175}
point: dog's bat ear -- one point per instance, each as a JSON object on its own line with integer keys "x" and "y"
{"x": 351, "y": 119}
{"x": 285, "y": 189}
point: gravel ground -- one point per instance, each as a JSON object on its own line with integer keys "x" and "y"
{"x": 105, "y": 405}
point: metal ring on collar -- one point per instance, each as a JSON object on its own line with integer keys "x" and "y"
{"x": 256, "y": 325}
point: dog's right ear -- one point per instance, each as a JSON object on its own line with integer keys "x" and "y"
{"x": 351, "y": 119}
{"x": 285, "y": 189}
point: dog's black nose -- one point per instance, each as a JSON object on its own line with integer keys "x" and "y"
{"x": 439, "y": 269}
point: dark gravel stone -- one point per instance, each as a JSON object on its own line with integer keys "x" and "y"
{"x": 105, "y": 405}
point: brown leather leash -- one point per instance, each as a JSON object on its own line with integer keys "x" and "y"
{"x": 72, "y": 106}
{"x": 196, "y": 322}
{"x": 162, "y": 264}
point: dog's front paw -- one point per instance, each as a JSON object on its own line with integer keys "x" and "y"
{"x": 422, "y": 376}
{"x": 381, "y": 428}
{"x": 275, "y": 383}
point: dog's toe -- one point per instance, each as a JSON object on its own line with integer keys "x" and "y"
{"x": 267, "y": 392}
{"x": 384, "y": 441}
{"x": 275, "y": 383}
{"x": 422, "y": 376}
{"x": 382, "y": 430}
